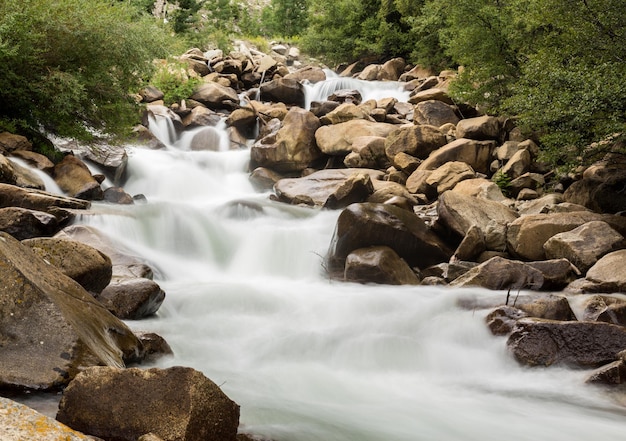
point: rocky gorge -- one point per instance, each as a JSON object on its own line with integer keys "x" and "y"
{"x": 429, "y": 192}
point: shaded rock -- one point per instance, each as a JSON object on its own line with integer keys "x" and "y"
{"x": 320, "y": 109}
{"x": 216, "y": 96}
{"x": 357, "y": 188}
{"x": 150, "y": 94}
{"x": 538, "y": 342}
{"x": 557, "y": 273}
{"x": 263, "y": 178}
{"x": 601, "y": 189}
{"x": 477, "y": 154}
{"x": 132, "y": 298}
{"x": 202, "y": 116}
{"x": 367, "y": 224}
{"x": 13, "y": 196}
{"x": 502, "y": 320}
{"x": 75, "y": 179}
{"x": 34, "y": 159}
{"x": 584, "y": 245}
{"x": 23, "y": 223}
{"x": 480, "y": 128}
{"x": 610, "y": 374}
{"x": 293, "y": 147}
{"x": 346, "y": 96}
{"x": 51, "y": 326}
{"x": 434, "y": 113}
{"x": 608, "y": 309}
{"x": 499, "y": 274}
{"x": 338, "y": 139}
{"x": 316, "y": 189}
{"x": 13, "y": 173}
{"x": 518, "y": 164}
{"x": 283, "y": 90}
{"x": 117, "y": 195}
{"x": 86, "y": 265}
{"x": 367, "y": 152}
{"x": 123, "y": 404}
{"x": 527, "y": 235}
{"x": 526, "y": 183}
{"x": 312, "y": 74}
{"x": 378, "y": 265}
{"x": 111, "y": 159}
{"x": 154, "y": 346}
{"x": 10, "y": 142}
{"x": 21, "y": 423}
{"x": 448, "y": 271}
{"x": 417, "y": 141}
{"x": 472, "y": 244}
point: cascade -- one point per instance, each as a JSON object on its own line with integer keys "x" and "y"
{"x": 309, "y": 359}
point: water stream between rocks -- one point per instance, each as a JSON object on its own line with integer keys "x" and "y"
{"x": 308, "y": 359}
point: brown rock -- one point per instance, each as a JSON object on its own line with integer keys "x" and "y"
{"x": 502, "y": 320}
{"x": 309, "y": 73}
{"x": 429, "y": 94}
{"x": 418, "y": 141}
{"x": 480, "y": 128}
{"x": 557, "y": 273}
{"x": 283, "y": 90}
{"x": 609, "y": 273}
{"x": 365, "y": 225}
{"x": 123, "y": 404}
{"x": 75, "y": 179}
{"x": 498, "y": 273}
{"x": 10, "y": 142}
{"x": 447, "y": 176}
{"x": 23, "y": 223}
{"x": 357, "y": 188}
{"x": 378, "y": 265}
{"x": 216, "y": 96}
{"x": 538, "y": 342}
{"x": 132, "y": 299}
{"x": 339, "y": 138}
{"x": 477, "y": 154}
{"x": 345, "y": 112}
{"x": 434, "y": 113}
{"x": 367, "y": 152}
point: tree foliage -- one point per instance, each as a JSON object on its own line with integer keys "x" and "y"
{"x": 285, "y": 18}
{"x": 69, "y": 66}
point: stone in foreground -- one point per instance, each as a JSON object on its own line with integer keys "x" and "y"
{"x": 175, "y": 404}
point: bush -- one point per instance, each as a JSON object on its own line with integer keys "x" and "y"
{"x": 172, "y": 79}
{"x": 69, "y": 66}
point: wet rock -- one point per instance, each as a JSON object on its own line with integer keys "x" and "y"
{"x": 584, "y": 245}
{"x": 154, "y": 346}
{"x": 20, "y": 423}
{"x": 75, "y": 179}
{"x": 538, "y": 342}
{"x": 13, "y": 196}
{"x": 201, "y": 116}
{"x": 357, "y": 188}
{"x": 86, "y": 265}
{"x": 317, "y": 188}
{"x": 117, "y": 195}
{"x": 23, "y": 223}
{"x": 338, "y": 139}
{"x": 51, "y": 326}
{"x": 378, "y": 265}
{"x": 417, "y": 141}
{"x": 367, "y": 224}
{"x": 34, "y": 159}
{"x": 283, "y": 90}
{"x": 502, "y": 320}
{"x": 263, "y": 178}
{"x": 480, "y": 128}
{"x": 111, "y": 159}
{"x": 132, "y": 299}
{"x": 499, "y": 274}
{"x": 477, "y": 154}
{"x": 610, "y": 375}
{"x": 293, "y": 147}
{"x": 123, "y": 404}
{"x": 608, "y": 309}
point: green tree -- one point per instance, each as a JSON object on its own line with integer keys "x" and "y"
{"x": 286, "y": 18}
{"x": 70, "y": 65}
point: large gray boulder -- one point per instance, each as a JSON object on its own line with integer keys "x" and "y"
{"x": 537, "y": 342}
{"x": 51, "y": 327}
{"x": 367, "y": 224}
{"x": 175, "y": 404}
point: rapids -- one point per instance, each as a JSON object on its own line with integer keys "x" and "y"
{"x": 309, "y": 359}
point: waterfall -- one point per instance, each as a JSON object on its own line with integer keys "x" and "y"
{"x": 309, "y": 359}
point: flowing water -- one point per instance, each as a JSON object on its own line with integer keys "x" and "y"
{"x": 308, "y": 359}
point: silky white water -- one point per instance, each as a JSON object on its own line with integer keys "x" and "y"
{"x": 307, "y": 359}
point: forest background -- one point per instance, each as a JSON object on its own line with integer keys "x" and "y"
{"x": 558, "y": 67}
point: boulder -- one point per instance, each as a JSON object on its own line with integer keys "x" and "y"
{"x": 263, "y": 179}
{"x": 117, "y": 195}
{"x": 540, "y": 342}
{"x": 293, "y": 147}
{"x": 202, "y": 116}
{"x": 283, "y": 90}
{"x": 391, "y": 70}
{"x": 458, "y": 212}
{"x": 51, "y": 326}
{"x": 557, "y": 273}
{"x": 525, "y": 183}
{"x": 357, "y": 188}
{"x": 312, "y": 74}
{"x": 608, "y": 309}
{"x": 502, "y": 320}
{"x": 23, "y": 223}
{"x": 527, "y": 235}
{"x": 477, "y": 154}
{"x": 370, "y": 73}
{"x": 434, "y": 113}
{"x": 132, "y": 298}
{"x": 13, "y": 196}
{"x": 365, "y": 225}
{"x": 518, "y": 164}
{"x": 345, "y": 112}
{"x": 499, "y": 274}
{"x": 609, "y": 273}
{"x": 75, "y": 179}
{"x": 367, "y": 152}
{"x": 447, "y": 176}
{"x": 216, "y": 96}
{"x": 20, "y": 423}
{"x": 13, "y": 173}
{"x": 601, "y": 188}
{"x": 178, "y": 403}
{"x": 584, "y": 245}
{"x": 472, "y": 245}
{"x": 150, "y": 94}
{"x": 346, "y": 96}
{"x": 317, "y": 188}
{"x": 428, "y": 94}
{"x": 480, "y": 128}
{"x": 207, "y": 139}
{"x": 86, "y": 265}
{"x": 480, "y": 188}
{"x": 418, "y": 141}
{"x": 36, "y": 160}
{"x": 338, "y": 139}
{"x": 111, "y": 159}
{"x": 380, "y": 265}
{"x": 10, "y": 142}
{"x": 609, "y": 375}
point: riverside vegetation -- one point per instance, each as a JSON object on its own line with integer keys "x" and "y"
{"x": 433, "y": 190}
